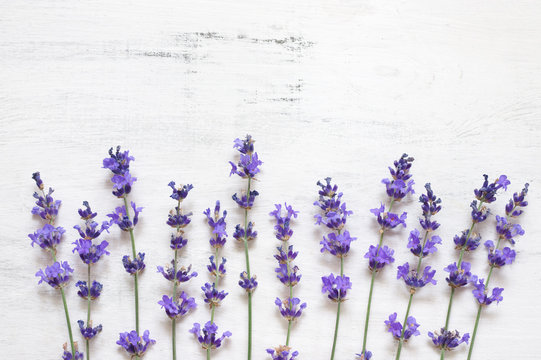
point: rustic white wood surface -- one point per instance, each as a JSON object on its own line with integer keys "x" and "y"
{"x": 328, "y": 88}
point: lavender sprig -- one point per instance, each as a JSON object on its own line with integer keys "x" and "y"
{"x": 414, "y": 279}
{"x": 119, "y": 164}
{"x": 397, "y": 188}
{"x": 498, "y": 258}
{"x": 247, "y": 168}
{"x": 58, "y": 274}
{"x": 213, "y": 297}
{"x": 177, "y": 305}
{"x": 459, "y": 274}
{"x": 290, "y": 307}
{"x": 337, "y": 243}
{"x": 90, "y": 253}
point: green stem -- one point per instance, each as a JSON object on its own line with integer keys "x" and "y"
{"x": 88, "y": 315}
{"x": 337, "y": 313}
{"x": 290, "y": 296}
{"x": 247, "y": 256}
{"x": 68, "y": 321}
{"x": 135, "y": 276}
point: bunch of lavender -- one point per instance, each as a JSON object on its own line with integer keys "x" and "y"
{"x": 209, "y": 338}
{"x": 337, "y": 243}
{"x": 459, "y": 272}
{"x": 48, "y": 238}
{"x": 178, "y": 304}
{"x": 497, "y": 258}
{"x": 247, "y": 168}
{"x": 119, "y": 164}
{"x": 90, "y": 253}
{"x": 290, "y": 307}
{"x": 414, "y": 278}
{"x": 397, "y": 187}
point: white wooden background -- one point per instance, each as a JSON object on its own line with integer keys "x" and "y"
{"x": 328, "y": 88}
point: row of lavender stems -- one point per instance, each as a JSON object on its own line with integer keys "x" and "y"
{"x": 337, "y": 242}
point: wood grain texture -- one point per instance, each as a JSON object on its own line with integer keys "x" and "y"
{"x": 328, "y": 88}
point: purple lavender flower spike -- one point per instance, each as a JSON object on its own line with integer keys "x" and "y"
{"x": 389, "y": 220}
{"x": 182, "y": 275}
{"x": 134, "y": 266}
{"x": 487, "y": 192}
{"x": 95, "y": 290}
{"x": 88, "y": 332}
{"x": 413, "y": 279}
{"x": 365, "y": 355}
{"x": 47, "y": 237}
{"x": 288, "y": 277}
{"x": 178, "y": 241}
{"x": 178, "y": 220}
{"x": 218, "y": 225}
{"x": 181, "y": 192}
{"x": 379, "y": 257}
{"x": 69, "y": 356}
{"x": 284, "y": 257}
{"x": 56, "y": 275}
{"x": 248, "y": 165}
{"x": 282, "y": 352}
{"x": 478, "y": 214}
{"x": 245, "y": 202}
{"x": 458, "y": 277}
{"x": 336, "y": 287}
{"x": 37, "y": 178}
{"x": 290, "y": 308}
{"x": 134, "y": 344}
{"x": 463, "y": 242}
{"x": 177, "y": 308}
{"x": 208, "y": 336}
{"x": 120, "y": 218}
{"x": 507, "y": 230}
{"x": 213, "y": 297}
{"x": 240, "y": 234}
{"x": 395, "y": 327}
{"x": 282, "y": 227}
{"x": 481, "y": 293}
{"x": 247, "y": 283}
{"x": 414, "y": 244}
{"x": 46, "y": 207}
{"x": 400, "y": 183}
{"x": 89, "y": 252}
{"x": 337, "y": 244}
{"x": 119, "y": 164}
{"x": 517, "y": 202}
{"x": 217, "y": 270}
{"x": 335, "y": 212}
{"x": 498, "y": 258}
{"x": 448, "y": 340}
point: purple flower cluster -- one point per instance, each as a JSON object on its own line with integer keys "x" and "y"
{"x": 487, "y": 192}
{"x": 400, "y": 184}
{"x": 56, "y": 275}
{"x": 414, "y": 279}
{"x": 208, "y": 335}
{"x": 365, "y": 355}
{"x": 119, "y": 164}
{"x": 465, "y": 242}
{"x": 282, "y": 353}
{"x": 336, "y": 287}
{"x": 481, "y": 292}
{"x": 247, "y": 168}
{"x": 335, "y": 212}
{"x": 458, "y": 276}
{"x": 47, "y": 237}
{"x": 121, "y": 218}
{"x": 179, "y": 304}
{"x": 134, "y": 344}
{"x": 69, "y": 356}
{"x": 290, "y": 308}
{"x": 395, "y": 327}
{"x": 212, "y": 296}
{"x": 46, "y": 207}
{"x": 90, "y": 253}
{"x": 448, "y": 340}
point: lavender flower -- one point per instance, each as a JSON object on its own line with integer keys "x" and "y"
{"x": 365, "y": 355}
{"x": 214, "y": 270}
{"x": 179, "y": 307}
{"x": 120, "y": 218}
{"x": 336, "y": 287}
{"x": 218, "y": 225}
{"x": 245, "y": 202}
{"x": 46, "y": 207}
{"x": 88, "y": 332}
{"x": 282, "y": 227}
{"x": 395, "y": 327}
{"x": 465, "y": 242}
{"x": 182, "y": 275}
{"x": 508, "y": 231}
{"x": 517, "y": 202}
{"x": 448, "y": 340}
{"x": 248, "y": 165}
{"x": 481, "y": 293}
{"x": 400, "y": 183}
{"x": 337, "y": 244}
{"x": 413, "y": 279}
{"x": 181, "y": 192}
{"x": 288, "y": 277}
{"x": 178, "y": 241}
{"x": 284, "y": 257}
{"x": 95, "y": 290}
{"x": 134, "y": 344}
{"x": 47, "y": 237}
{"x": 135, "y": 266}
{"x": 458, "y": 276}
{"x": 89, "y": 252}
{"x": 389, "y": 220}
{"x": 487, "y": 192}
{"x": 498, "y": 258}
{"x": 119, "y": 164}
{"x": 290, "y": 308}
{"x": 247, "y": 283}
{"x": 56, "y": 275}
{"x": 379, "y": 257}
{"x": 240, "y": 234}
{"x": 478, "y": 213}
{"x": 213, "y": 297}
{"x": 178, "y": 220}
{"x": 207, "y": 336}
{"x": 415, "y": 246}
{"x": 69, "y": 356}
{"x": 282, "y": 353}
{"x": 335, "y": 212}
